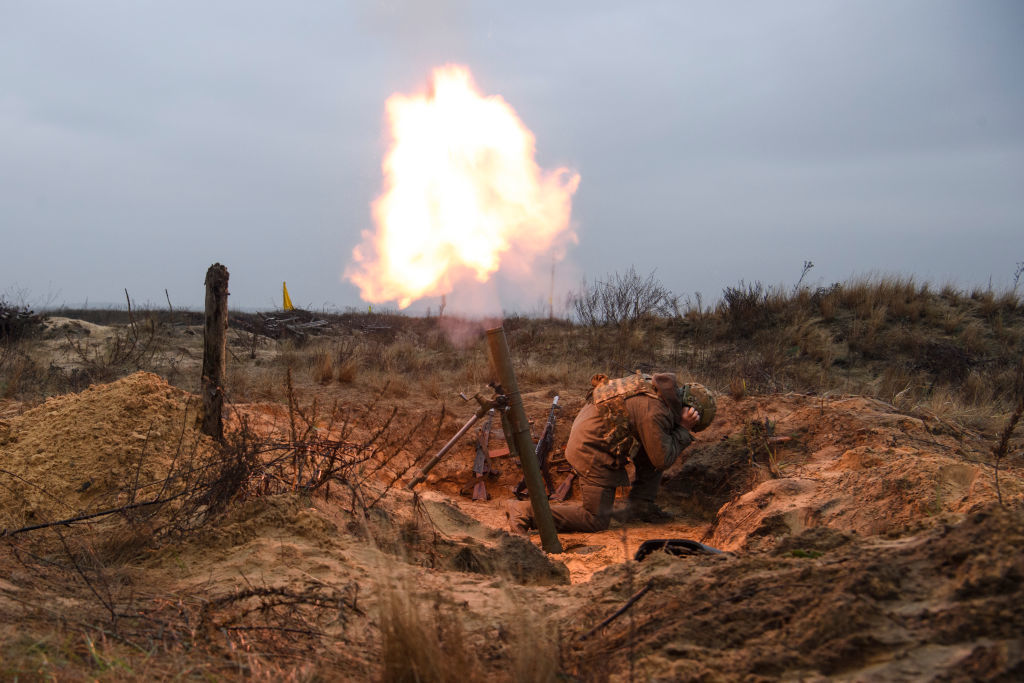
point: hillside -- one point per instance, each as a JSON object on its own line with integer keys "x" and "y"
{"x": 867, "y": 536}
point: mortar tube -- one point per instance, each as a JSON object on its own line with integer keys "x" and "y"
{"x": 440, "y": 454}
{"x": 501, "y": 365}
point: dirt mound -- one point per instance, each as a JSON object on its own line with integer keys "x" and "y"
{"x": 780, "y": 465}
{"x": 943, "y": 600}
{"x": 864, "y": 545}
{"x": 59, "y": 328}
{"x": 83, "y": 452}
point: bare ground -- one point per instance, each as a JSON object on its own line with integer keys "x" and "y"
{"x": 861, "y": 544}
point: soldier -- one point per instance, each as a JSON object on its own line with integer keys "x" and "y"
{"x": 642, "y": 417}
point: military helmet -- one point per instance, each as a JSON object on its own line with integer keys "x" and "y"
{"x": 698, "y": 397}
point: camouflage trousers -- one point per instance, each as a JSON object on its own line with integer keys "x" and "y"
{"x": 594, "y": 511}
{"x": 646, "y": 482}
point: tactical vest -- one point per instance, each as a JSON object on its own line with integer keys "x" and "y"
{"x": 606, "y": 389}
{"x": 609, "y": 395}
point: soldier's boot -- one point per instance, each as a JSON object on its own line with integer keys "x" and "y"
{"x": 646, "y": 511}
{"x": 642, "y": 511}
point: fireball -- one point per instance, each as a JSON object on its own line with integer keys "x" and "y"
{"x": 462, "y": 193}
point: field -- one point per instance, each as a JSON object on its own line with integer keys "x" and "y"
{"x": 864, "y": 477}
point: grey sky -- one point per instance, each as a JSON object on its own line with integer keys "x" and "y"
{"x": 142, "y": 141}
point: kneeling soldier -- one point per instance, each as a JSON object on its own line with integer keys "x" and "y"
{"x": 646, "y": 418}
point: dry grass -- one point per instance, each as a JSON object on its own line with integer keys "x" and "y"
{"x": 533, "y": 647}
{"x": 887, "y": 337}
{"x": 828, "y": 305}
{"x": 323, "y": 367}
{"x": 812, "y": 340}
{"x": 953, "y": 319}
{"x": 973, "y": 337}
{"x": 737, "y": 388}
{"x": 347, "y": 370}
{"x": 426, "y": 636}
{"x": 422, "y": 642}
{"x": 945, "y": 354}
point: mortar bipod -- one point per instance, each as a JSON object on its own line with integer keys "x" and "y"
{"x": 498, "y": 403}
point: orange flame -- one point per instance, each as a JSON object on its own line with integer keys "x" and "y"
{"x": 461, "y": 191}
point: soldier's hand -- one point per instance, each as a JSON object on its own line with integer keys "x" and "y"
{"x": 690, "y": 417}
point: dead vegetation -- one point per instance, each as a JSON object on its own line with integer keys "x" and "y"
{"x": 108, "y": 565}
{"x": 112, "y": 623}
{"x": 165, "y": 575}
{"x": 924, "y": 349}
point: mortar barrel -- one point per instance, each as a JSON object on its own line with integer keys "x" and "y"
{"x": 501, "y": 365}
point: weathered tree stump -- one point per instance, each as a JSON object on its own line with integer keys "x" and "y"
{"x": 214, "y": 348}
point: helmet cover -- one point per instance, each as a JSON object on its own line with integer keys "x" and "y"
{"x": 698, "y": 397}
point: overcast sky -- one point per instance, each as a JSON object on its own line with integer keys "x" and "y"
{"x": 142, "y": 141}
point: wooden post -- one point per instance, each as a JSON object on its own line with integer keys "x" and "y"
{"x": 214, "y": 347}
{"x": 501, "y": 365}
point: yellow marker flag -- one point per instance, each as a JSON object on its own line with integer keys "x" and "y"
{"x": 287, "y": 299}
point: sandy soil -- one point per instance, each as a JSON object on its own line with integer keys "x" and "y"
{"x": 861, "y": 544}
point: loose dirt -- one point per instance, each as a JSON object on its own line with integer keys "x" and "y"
{"x": 861, "y": 544}
{"x": 79, "y": 453}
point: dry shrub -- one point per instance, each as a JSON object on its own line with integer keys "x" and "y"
{"x": 323, "y": 366}
{"x": 424, "y": 639}
{"x": 828, "y": 304}
{"x": 943, "y": 361}
{"x": 907, "y": 338}
{"x": 17, "y": 370}
{"x": 346, "y": 357}
{"x": 910, "y": 309}
{"x": 134, "y": 347}
{"x": 813, "y": 341}
{"x": 1008, "y": 302}
{"x": 806, "y": 375}
{"x": 25, "y": 373}
{"x": 987, "y": 303}
{"x": 737, "y": 388}
{"x": 951, "y": 294}
{"x": 1009, "y": 337}
{"x": 18, "y": 322}
{"x": 898, "y": 292}
{"x": 405, "y": 356}
{"x": 898, "y": 386}
{"x": 623, "y": 299}
{"x": 745, "y": 308}
{"x": 762, "y": 367}
{"x": 864, "y": 333}
{"x": 946, "y": 405}
{"x": 876, "y": 319}
{"x": 976, "y": 390}
{"x": 952, "y": 320}
{"x": 972, "y": 338}
{"x": 865, "y": 295}
{"x": 932, "y": 310}
{"x": 858, "y": 296}
{"x": 346, "y": 371}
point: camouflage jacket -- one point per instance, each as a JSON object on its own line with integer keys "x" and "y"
{"x": 626, "y": 416}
